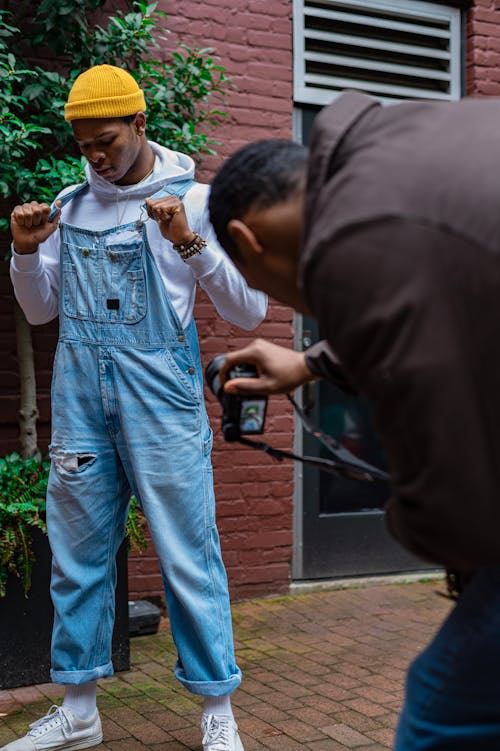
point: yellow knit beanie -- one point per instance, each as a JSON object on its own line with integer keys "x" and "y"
{"x": 104, "y": 91}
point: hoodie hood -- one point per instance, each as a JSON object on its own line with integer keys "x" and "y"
{"x": 169, "y": 167}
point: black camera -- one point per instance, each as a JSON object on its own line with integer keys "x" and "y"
{"x": 245, "y": 415}
{"x": 241, "y": 414}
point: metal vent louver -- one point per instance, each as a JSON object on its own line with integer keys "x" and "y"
{"x": 392, "y": 49}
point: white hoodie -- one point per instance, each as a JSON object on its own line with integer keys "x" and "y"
{"x": 36, "y": 276}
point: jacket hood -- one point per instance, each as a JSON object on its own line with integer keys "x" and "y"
{"x": 169, "y": 167}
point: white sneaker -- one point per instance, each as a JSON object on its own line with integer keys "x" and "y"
{"x": 59, "y": 729}
{"x": 220, "y": 733}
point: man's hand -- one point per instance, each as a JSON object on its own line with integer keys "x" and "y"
{"x": 30, "y": 226}
{"x": 280, "y": 369}
{"x": 169, "y": 212}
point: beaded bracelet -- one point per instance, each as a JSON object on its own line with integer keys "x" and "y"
{"x": 194, "y": 246}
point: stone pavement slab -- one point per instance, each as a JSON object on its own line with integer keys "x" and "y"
{"x": 323, "y": 671}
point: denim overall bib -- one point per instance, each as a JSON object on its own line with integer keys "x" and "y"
{"x": 128, "y": 415}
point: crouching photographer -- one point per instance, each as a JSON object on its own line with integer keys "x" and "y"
{"x": 388, "y": 233}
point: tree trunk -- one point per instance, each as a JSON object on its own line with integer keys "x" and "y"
{"x": 28, "y": 412}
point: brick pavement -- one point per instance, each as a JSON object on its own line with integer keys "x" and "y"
{"x": 322, "y": 672}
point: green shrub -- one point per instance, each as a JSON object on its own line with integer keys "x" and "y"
{"x": 23, "y": 485}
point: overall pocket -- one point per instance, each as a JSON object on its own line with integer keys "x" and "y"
{"x": 104, "y": 284}
{"x": 180, "y": 363}
{"x": 71, "y": 294}
{"x": 123, "y": 294}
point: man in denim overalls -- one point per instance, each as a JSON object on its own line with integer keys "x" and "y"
{"x": 118, "y": 259}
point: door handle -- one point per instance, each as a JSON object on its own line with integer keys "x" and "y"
{"x": 308, "y": 389}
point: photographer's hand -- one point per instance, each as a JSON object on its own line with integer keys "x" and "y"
{"x": 280, "y": 369}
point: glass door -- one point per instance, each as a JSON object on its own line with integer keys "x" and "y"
{"x": 343, "y": 526}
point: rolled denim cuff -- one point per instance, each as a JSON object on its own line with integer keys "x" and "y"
{"x": 209, "y": 688}
{"x": 75, "y": 677}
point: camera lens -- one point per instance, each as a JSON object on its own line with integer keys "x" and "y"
{"x": 212, "y": 374}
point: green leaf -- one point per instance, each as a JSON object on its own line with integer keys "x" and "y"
{"x": 23, "y": 486}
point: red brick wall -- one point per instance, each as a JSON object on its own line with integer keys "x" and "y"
{"x": 483, "y": 49}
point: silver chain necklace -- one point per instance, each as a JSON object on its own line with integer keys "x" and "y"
{"x": 120, "y": 216}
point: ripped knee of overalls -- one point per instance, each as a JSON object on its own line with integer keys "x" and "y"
{"x": 66, "y": 460}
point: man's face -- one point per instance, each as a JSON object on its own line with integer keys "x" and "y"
{"x": 111, "y": 146}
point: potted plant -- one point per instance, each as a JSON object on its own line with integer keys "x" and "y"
{"x": 26, "y": 612}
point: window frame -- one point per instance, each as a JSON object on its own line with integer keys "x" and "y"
{"x": 308, "y": 95}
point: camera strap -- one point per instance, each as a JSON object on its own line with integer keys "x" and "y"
{"x": 343, "y": 464}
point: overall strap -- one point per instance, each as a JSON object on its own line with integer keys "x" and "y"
{"x": 67, "y": 198}
{"x": 178, "y": 188}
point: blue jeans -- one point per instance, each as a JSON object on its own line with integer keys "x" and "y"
{"x": 128, "y": 416}
{"x": 452, "y": 700}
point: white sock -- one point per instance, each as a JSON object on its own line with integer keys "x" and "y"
{"x": 218, "y": 705}
{"x": 81, "y": 699}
